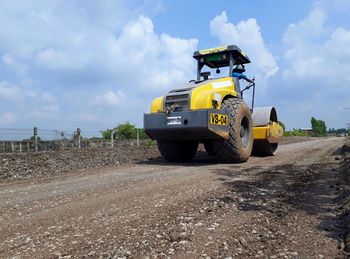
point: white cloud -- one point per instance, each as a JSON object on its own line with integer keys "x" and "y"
{"x": 20, "y": 69}
{"x": 55, "y": 59}
{"x": 10, "y": 92}
{"x": 65, "y": 55}
{"x": 89, "y": 117}
{"x": 316, "y": 75}
{"x": 17, "y": 93}
{"x": 8, "y": 60}
{"x": 26, "y": 103}
{"x": 333, "y": 5}
{"x": 7, "y": 118}
{"x": 317, "y": 53}
{"x": 304, "y": 52}
{"x": 160, "y": 61}
{"x": 247, "y": 35}
{"x": 44, "y": 111}
{"x": 110, "y": 98}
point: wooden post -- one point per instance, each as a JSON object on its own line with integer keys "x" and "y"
{"x": 20, "y": 146}
{"x": 36, "y": 138}
{"x": 12, "y": 146}
{"x": 78, "y": 136}
{"x": 138, "y": 137}
{"x": 28, "y": 148}
{"x": 112, "y": 142}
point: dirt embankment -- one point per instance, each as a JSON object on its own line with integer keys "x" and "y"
{"x": 344, "y": 199}
{"x": 296, "y": 139}
{"x": 54, "y": 163}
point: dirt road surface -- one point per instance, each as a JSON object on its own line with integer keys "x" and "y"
{"x": 273, "y": 207}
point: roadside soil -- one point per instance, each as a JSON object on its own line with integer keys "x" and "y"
{"x": 43, "y": 164}
{"x": 296, "y": 139}
{"x": 292, "y": 205}
{"x": 343, "y": 210}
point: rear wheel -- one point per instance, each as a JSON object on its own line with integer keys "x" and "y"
{"x": 264, "y": 148}
{"x": 238, "y": 147}
{"x": 177, "y": 151}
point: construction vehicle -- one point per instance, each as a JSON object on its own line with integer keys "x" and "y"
{"x": 213, "y": 112}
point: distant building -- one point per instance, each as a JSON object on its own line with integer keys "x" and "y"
{"x": 309, "y": 131}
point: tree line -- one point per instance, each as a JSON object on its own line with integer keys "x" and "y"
{"x": 318, "y": 129}
{"x": 124, "y": 131}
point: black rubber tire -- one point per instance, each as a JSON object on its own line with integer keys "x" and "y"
{"x": 238, "y": 147}
{"x": 177, "y": 151}
{"x": 264, "y": 148}
{"x": 209, "y": 147}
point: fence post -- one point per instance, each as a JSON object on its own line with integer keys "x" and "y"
{"x": 12, "y": 146}
{"x": 138, "y": 137}
{"x": 28, "y": 149}
{"x": 112, "y": 142}
{"x": 20, "y": 146}
{"x": 78, "y": 136}
{"x": 36, "y": 138}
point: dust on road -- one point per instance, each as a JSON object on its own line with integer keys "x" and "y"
{"x": 286, "y": 206}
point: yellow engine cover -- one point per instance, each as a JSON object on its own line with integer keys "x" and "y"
{"x": 157, "y": 105}
{"x": 203, "y": 95}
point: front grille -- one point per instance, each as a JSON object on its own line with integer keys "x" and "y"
{"x": 177, "y": 97}
{"x": 178, "y": 101}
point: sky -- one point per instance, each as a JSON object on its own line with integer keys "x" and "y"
{"x": 94, "y": 64}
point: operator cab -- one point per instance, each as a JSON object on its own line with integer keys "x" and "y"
{"x": 216, "y": 58}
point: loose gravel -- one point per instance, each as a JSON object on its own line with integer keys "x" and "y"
{"x": 286, "y": 206}
{"x": 343, "y": 187}
{"x": 55, "y": 163}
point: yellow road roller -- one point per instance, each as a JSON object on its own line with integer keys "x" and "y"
{"x": 212, "y": 111}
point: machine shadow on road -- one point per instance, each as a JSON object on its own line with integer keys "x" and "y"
{"x": 288, "y": 189}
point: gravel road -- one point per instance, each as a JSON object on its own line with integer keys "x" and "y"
{"x": 284, "y": 206}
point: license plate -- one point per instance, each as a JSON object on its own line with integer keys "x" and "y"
{"x": 174, "y": 120}
{"x": 218, "y": 119}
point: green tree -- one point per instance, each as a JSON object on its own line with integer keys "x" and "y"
{"x": 106, "y": 134}
{"x": 142, "y": 134}
{"x": 126, "y": 131}
{"x": 318, "y": 127}
{"x": 33, "y": 138}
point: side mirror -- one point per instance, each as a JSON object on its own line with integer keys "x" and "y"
{"x": 218, "y": 71}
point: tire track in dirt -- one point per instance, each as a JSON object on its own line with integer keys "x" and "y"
{"x": 190, "y": 210}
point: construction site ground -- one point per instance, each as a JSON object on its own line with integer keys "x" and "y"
{"x": 292, "y": 205}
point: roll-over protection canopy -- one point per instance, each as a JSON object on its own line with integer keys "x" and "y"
{"x": 220, "y": 56}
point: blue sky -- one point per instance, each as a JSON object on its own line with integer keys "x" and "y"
{"x": 93, "y": 64}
